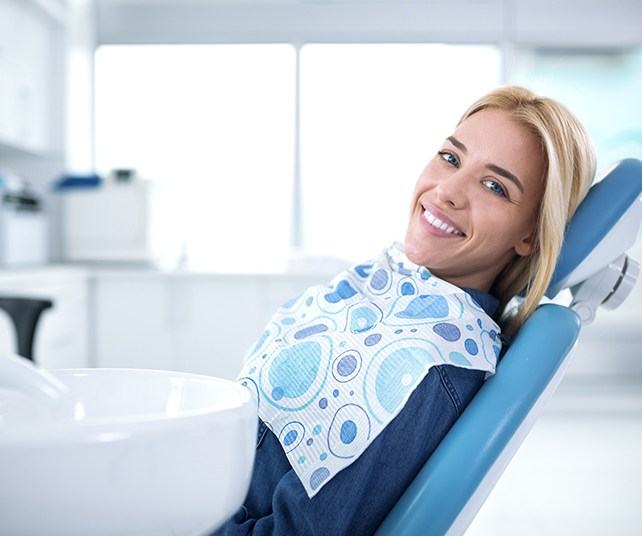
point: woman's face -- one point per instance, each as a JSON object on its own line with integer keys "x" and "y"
{"x": 475, "y": 204}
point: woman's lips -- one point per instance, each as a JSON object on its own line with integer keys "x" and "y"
{"x": 440, "y": 222}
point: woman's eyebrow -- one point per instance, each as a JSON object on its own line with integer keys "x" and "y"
{"x": 457, "y": 144}
{"x": 507, "y": 174}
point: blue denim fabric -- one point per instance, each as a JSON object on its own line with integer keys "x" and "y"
{"x": 357, "y": 499}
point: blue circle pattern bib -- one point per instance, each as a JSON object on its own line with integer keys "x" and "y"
{"x": 336, "y": 364}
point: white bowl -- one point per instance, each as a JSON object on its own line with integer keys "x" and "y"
{"x": 131, "y": 452}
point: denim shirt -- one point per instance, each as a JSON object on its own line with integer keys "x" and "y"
{"x": 357, "y": 500}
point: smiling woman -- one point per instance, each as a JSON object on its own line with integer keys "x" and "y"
{"x": 409, "y": 337}
{"x": 488, "y": 212}
{"x": 567, "y": 155}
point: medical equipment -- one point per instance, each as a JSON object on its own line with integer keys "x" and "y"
{"x": 598, "y": 272}
{"x": 23, "y": 223}
{"x": 110, "y": 222}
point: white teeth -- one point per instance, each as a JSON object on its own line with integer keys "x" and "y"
{"x": 437, "y": 223}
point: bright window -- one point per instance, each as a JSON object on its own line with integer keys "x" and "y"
{"x": 371, "y": 117}
{"x": 602, "y": 88}
{"x": 212, "y": 126}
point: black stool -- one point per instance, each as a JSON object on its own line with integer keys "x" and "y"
{"x": 25, "y": 313}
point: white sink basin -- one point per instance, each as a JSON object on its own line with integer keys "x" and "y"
{"x": 125, "y": 452}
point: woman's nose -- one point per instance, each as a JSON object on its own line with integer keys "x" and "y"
{"x": 453, "y": 190}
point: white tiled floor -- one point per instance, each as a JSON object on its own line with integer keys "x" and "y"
{"x": 579, "y": 472}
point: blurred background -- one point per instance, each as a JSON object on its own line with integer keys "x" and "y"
{"x": 172, "y": 170}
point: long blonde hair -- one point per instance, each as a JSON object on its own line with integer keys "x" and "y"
{"x": 569, "y": 158}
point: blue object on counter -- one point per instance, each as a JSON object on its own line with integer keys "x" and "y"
{"x": 68, "y": 182}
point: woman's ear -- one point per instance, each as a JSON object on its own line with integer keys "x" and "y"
{"x": 526, "y": 245}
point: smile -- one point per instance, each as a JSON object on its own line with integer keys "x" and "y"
{"x": 442, "y": 226}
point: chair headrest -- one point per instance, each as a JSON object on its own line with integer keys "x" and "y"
{"x": 604, "y": 226}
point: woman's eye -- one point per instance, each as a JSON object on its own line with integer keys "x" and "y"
{"x": 449, "y": 157}
{"x": 495, "y": 187}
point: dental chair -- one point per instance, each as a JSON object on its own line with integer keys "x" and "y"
{"x": 594, "y": 266}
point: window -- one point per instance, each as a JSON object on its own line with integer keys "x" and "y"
{"x": 371, "y": 117}
{"x": 602, "y": 88}
{"x": 215, "y": 128}
{"x": 212, "y": 126}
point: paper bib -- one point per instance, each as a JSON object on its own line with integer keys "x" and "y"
{"x": 336, "y": 364}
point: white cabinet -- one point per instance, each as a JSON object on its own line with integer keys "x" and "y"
{"x": 201, "y": 323}
{"x": 27, "y": 41}
{"x": 192, "y": 323}
{"x": 217, "y": 320}
{"x": 62, "y": 334}
{"x": 132, "y": 319}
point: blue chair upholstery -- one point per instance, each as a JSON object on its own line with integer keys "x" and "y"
{"x": 469, "y": 461}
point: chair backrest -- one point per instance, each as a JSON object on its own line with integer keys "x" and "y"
{"x": 466, "y": 465}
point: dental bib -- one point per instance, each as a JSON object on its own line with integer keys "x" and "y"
{"x": 336, "y": 364}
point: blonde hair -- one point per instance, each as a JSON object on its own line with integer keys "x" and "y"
{"x": 569, "y": 159}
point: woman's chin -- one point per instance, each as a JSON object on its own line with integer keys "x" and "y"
{"x": 414, "y": 251}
